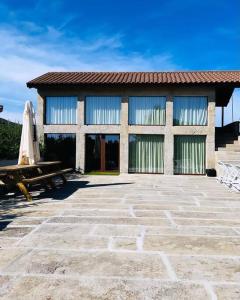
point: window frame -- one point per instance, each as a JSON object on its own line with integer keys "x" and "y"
{"x": 165, "y": 114}
{"x": 45, "y": 111}
{"x": 63, "y": 133}
{"x": 85, "y": 110}
{"x": 205, "y": 158}
{"x": 189, "y": 96}
{"x": 129, "y": 136}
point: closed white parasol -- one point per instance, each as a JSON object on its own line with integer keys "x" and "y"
{"x": 29, "y": 153}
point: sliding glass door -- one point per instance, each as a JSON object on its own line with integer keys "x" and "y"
{"x": 102, "y": 152}
{"x": 189, "y": 154}
{"x": 146, "y": 153}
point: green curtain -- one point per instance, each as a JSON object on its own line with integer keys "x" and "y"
{"x": 146, "y": 153}
{"x": 189, "y": 154}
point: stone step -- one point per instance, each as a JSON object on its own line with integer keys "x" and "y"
{"x": 233, "y": 147}
{"x": 237, "y": 142}
{"x": 228, "y": 148}
{"x": 227, "y": 151}
{"x": 235, "y": 156}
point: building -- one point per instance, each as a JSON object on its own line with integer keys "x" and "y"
{"x": 141, "y": 122}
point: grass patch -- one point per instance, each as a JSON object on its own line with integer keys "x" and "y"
{"x": 103, "y": 173}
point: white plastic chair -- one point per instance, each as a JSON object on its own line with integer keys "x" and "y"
{"x": 236, "y": 180}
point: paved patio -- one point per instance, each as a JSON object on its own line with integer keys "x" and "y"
{"x": 123, "y": 237}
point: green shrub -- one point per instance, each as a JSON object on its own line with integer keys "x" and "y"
{"x": 10, "y": 137}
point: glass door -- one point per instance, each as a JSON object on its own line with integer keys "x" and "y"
{"x": 102, "y": 152}
{"x": 93, "y": 152}
{"x": 189, "y": 154}
{"x": 112, "y": 152}
{"x": 146, "y": 153}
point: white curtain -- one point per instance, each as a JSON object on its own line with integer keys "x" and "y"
{"x": 190, "y": 110}
{"x": 148, "y": 110}
{"x": 146, "y": 153}
{"x": 61, "y": 110}
{"x": 102, "y": 110}
{"x": 189, "y": 154}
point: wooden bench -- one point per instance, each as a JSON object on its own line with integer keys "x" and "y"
{"x": 23, "y": 176}
{"x": 42, "y": 178}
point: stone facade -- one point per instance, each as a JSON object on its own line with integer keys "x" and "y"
{"x": 168, "y": 130}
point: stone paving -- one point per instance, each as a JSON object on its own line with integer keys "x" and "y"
{"x": 123, "y": 237}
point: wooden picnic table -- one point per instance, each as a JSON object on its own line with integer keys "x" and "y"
{"x": 16, "y": 168}
{"x": 23, "y": 176}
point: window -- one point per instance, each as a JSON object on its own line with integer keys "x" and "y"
{"x": 146, "y": 153}
{"x": 61, "y": 147}
{"x": 61, "y": 110}
{"x": 190, "y": 110}
{"x": 189, "y": 154}
{"x": 147, "y": 110}
{"x": 102, "y": 152}
{"x": 103, "y": 110}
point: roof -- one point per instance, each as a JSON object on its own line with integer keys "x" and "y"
{"x": 131, "y": 78}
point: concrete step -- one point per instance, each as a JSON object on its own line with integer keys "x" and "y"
{"x": 233, "y": 147}
{"x": 237, "y": 142}
{"x": 222, "y": 156}
{"x": 229, "y": 148}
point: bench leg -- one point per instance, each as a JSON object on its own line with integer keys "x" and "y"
{"x": 51, "y": 183}
{"x": 63, "y": 178}
{"x": 24, "y": 190}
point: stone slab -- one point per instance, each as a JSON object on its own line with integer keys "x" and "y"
{"x": 40, "y": 288}
{"x": 206, "y": 268}
{"x": 193, "y": 244}
{"x": 90, "y": 264}
{"x": 224, "y": 292}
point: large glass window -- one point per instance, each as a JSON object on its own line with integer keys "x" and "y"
{"x": 102, "y": 152}
{"x": 146, "y": 153}
{"x": 103, "y": 110}
{"x": 61, "y": 146}
{"x": 147, "y": 110}
{"x": 189, "y": 154}
{"x": 61, "y": 110}
{"x": 190, "y": 110}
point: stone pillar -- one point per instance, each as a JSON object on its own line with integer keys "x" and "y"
{"x": 169, "y": 138}
{"x": 80, "y": 111}
{"x": 124, "y": 136}
{"x": 40, "y": 118}
{"x": 80, "y": 137}
{"x": 210, "y": 140}
{"x": 80, "y": 152}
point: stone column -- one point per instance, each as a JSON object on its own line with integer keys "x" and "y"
{"x": 210, "y": 140}
{"x": 40, "y": 118}
{"x": 169, "y": 138}
{"x": 80, "y": 137}
{"x": 80, "y": 111}
{"x": 124, "y": 136}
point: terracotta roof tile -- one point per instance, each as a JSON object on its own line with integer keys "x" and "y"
{"x": 114, "y": 78}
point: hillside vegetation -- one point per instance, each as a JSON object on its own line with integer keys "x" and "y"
{"x": 10, "y": 136}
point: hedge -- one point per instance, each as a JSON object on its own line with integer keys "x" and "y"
{"x": 10, "y": 136}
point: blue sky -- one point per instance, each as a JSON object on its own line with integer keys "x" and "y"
{"x": 95, "y": 35}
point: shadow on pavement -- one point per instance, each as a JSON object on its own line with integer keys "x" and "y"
{"x": 11, "y": 204}
{"x": 62, "y": 192}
